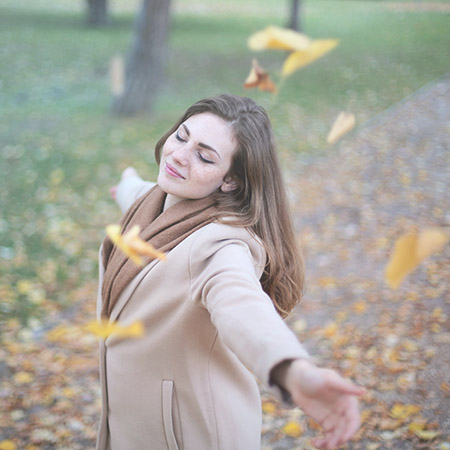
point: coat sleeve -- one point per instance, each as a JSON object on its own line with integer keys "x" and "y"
{"x": 129, "y": 189}
{"x": 225, "y": 280}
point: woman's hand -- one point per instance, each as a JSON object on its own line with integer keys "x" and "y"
{"x": 129, "y": 171}
{"x": 324, "y": 396}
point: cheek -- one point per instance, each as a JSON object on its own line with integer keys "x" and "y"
{"x": 208, "y": 177}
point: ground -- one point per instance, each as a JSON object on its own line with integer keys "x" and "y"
{"x": 350, "y": 203}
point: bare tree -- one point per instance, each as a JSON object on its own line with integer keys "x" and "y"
{"x": 97, "y": 12}
{"x": 295, "y": 22}
{"x": 146, "y": 61}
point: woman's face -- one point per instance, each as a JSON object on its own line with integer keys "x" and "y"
{"x": 196, "y": 158}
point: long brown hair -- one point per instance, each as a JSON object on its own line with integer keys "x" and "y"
{"x": 260, "y": 200}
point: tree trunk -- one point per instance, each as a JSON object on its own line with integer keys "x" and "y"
{"x": 146, "y": 62}
{"x": 97, "y": 13}
{"x": 295, "y": 16}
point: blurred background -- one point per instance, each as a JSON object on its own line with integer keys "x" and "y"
{"x": 68, "y": 127}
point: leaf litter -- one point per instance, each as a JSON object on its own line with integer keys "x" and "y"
{"x": 349, "y": 208}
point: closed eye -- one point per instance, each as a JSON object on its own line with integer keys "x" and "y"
{"x": 203, "y": 159}
{"x": 179, "y": 138}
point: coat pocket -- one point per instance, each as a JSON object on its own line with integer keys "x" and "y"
{"x": 170, "y": 414}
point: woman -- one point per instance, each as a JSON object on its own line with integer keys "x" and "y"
{"x": 212, "y": 309}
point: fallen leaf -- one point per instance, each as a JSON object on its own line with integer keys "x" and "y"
{"x": 7, "y": 445}
{"x": 302, "y": 58}
{"x": 400, "y": 411}
{"x": 292, "y": 429}
{"x": 23, "y": 377}
{"x": 427, "y": 435}
{"x": 132, "y": 245}
{"x": 359, "y": 307}
{"x": 344, "y": 123}
{"x": 278, "y": 38}
{"x": 269, "y": 408}
{"x": 259, "y": 78}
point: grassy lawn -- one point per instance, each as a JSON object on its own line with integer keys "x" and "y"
{"x": 60, "y": 150}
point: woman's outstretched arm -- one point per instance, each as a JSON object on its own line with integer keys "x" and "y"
{"x": 324, "y": 396}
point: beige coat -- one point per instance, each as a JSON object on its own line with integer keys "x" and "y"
{"x": 188, "y": 383}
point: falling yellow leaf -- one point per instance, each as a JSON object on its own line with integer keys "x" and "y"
{"x": 105, "y": 328}
{"x": 430, "y": 240}
{"x": 344, "y": 123}
{"x": 410, "y": 250}
{"x": 8, "y": 445}
{"x": 279, "y": 39}
{"x": 258, "y": 77}
{"x": 132, "y": 245}
{"x": 292, "y": 429}
{"x": 23, "y": 377}
{"x": 302, "y": 58}
{"x": 400, "y": 411}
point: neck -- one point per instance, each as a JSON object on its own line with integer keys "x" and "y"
{"x": 171, "y": 200}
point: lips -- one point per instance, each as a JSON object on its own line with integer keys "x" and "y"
{"x": 173, "y": 172}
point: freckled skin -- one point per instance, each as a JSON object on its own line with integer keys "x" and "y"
{"x": 194, "y": 178}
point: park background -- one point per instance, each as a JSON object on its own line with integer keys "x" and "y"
{"x": 62, "y": 148}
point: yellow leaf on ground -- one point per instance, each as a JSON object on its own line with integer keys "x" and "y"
{"x": 330, "y": 330}
{"x": 104, "y": 329}
{"x": 279, "y": 39}
{"x": 132, "y": 245}
{"x": 259, "y": 78}
{"x": 8, "y": 445}
{"x": 360, "y": 307}
{"x": 410, "y": 250}
{"x": 269, "y": 408}
{"x": 427, "y": 435}
{"x": 23, "y": 377}
{"x": 400, "y": 411}
{"x": 292, "y": 429}
{"x": 344, "y": 123}
{"x": 302, "y": 58}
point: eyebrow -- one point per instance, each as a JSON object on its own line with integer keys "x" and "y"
{"x": 201, "y": 144}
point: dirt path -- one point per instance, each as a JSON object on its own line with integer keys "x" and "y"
{"x": 349, "y": 207}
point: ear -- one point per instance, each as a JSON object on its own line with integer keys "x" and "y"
{"x": 229, "y": 184}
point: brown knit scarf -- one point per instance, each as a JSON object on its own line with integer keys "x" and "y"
{"x": 164, "y": 230}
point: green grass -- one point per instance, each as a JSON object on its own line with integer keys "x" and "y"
{"x": 61, "y": 150}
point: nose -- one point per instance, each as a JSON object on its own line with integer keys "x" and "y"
{"x": 181, "y": 154}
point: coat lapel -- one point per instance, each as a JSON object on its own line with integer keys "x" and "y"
{"x": 127, "y": 293}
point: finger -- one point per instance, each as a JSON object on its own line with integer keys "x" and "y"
{"x": 345, "y": 387}
{"x": 113, "y": 192}
{"x": 354, "y": 422}
{"x": 339, "y": 433}
{"x": 319, "y": 443}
